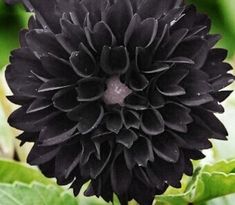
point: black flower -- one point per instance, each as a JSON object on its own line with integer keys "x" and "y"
{"x": 121, "y": 93}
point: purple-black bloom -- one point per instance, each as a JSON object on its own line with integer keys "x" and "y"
{"x": 120, "y": 93}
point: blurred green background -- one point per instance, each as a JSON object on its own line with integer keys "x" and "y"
{"x": 13, "y": 18}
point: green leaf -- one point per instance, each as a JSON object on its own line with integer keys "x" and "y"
{"x": 11, "y": 171}
{"x": 12, "y": 19}
{"x": 210, "y": 182}
{"x": 35, "y": 193}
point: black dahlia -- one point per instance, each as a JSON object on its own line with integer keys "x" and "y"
{"x": 121, "y": 93}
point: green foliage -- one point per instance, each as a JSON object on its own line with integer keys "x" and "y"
{"x": 22, "y": 185}
{"x": 210, "y": 182}
{"x": 12, "y": 19}
{"x": 11, "y": 171}
{"x": 35, "y": 193}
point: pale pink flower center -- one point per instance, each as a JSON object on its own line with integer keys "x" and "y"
{"x": 116, "y": 91}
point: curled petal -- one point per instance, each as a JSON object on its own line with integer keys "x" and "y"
{"x": 88, "y": 116}
{"x": 115, "y": 60}
{"x": 83, "y": 62}
{"x": 152, "y": 122}
{"x": 90, "y": 89}
{"x": 136, "y": 102}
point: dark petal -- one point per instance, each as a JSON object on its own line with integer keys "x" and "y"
{"x": 223, "y": 82}
{"x": 156, "y": 99}
{"x": 196, "y": 87}
{"x": 71, "y": 37}
{"x": 196, "y": 138}
{"x": 95, "y": 9}
{"x": 78, "y": 183}
{"x": 156, "y": 67}
{"x": 114, "y": 122}
{"x": 213, "y": 39}
{"x": 79, "y": 14}
{"x": 195, "y": 100}
{"x": 90, "y": 89}
{"x": 214, "y": 107}
{"x": 217, "y": 55}
{"x": 222, "y": 95}
{"x": 136, "y": 102}
{"x": 137, "y": 81}
{"x": 141, "y": 151}
{"x": 65, "y": 100}
{"x": 88, "y": 116}
{"x": 187, "y": 20}
{"x": 46, "y": 13}
{"x": 172, "y": 173}
{"x": 162, "y": 34}
{"x": 152, "y": 122}
{"x": 43, "y": 42}
{"x": 28, "y": 63}
{"x": 129, "y": 159}
{"x": 130, "y": 119}
{"x": 144, "y": 59}
{"x": 215, "y": 70}
{"x": 174, "y": 40}
{"x": 98, "y": 166}
{"x": 83, "y": 62}
{"x": 88, "y": 148}
{"x": 166, "y": 148}
{"x": 101, "y": 36}
{"x": 40, "y": 155}
{"x": 196, "y": 31}
{"x": 66, "y": 161}
{"x": 120, "y": 175}
{"x": 153, "y": 8}
{"x": 54, "y": 84}
{"x": 210, "y": 121}
{"x": 39, "y": 104}
{"x": 101, "y": 186}
{"x": 155, "y": 179}
{"x": 180, "y": 60}
{"x": 22, "y": 85}
{"x": 33, "y": 23}
{"x": 57, "y": 67}
{"x": 114, "y": 60}
{"x": 48, "y": 168}
{"x": 31, "y": 122}
{"x": 57, "y": 133}
{"x": 193, "y": 154}
{"x": 126, "y": 137}
{"x": 140, "y": 173}
{"x": 172, "y": 16}
{"x": 19, "y": 99}
{"x": 27, "y": 137}
{"x": 168, "y": 83}
{"x": 188, "y": 167}
{"x": 143, "y": 194}
{"x": 67, "y": 6}
{"x": 195, "y": 49}
{"x": 176, "y": 116}
{"x": 135, "y": 37}
{"x": 22, "y": 39}
{"x": 135, "y": 4}
{"x": 119, "y": 21}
